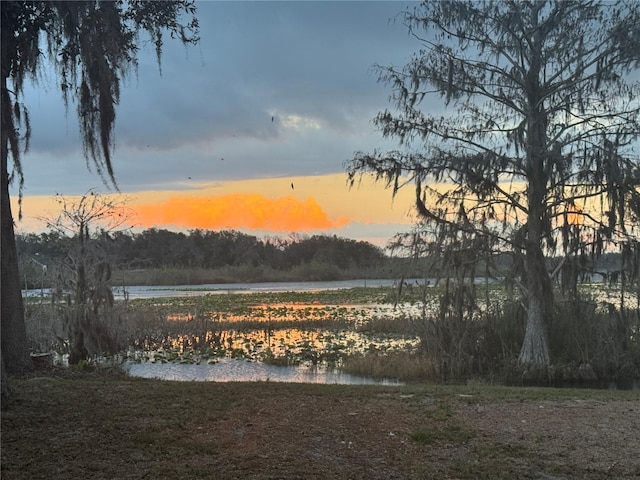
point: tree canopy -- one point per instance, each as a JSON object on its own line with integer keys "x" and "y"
{"x": 92, "y": 46}
{"x": 518, "y": 123}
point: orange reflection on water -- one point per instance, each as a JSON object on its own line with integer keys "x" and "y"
{"x": 290, "y": 332}
{"x": 274, "y": 312}
{"x": 286, "y": 332}
{"x": 253, "y": 211}
{"x": 280, "y": 342}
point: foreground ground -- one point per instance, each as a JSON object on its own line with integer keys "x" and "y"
{"x": 104, "y": 426}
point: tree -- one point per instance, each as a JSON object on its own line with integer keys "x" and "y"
{"x": 530, "y": 149}
{"x": 86, "y": 270}
{"x": 92, "y": 45}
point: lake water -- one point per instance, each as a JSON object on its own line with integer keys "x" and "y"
{"x": 158, "y": 291}
{"x": 231, "y": 370}
{"x": 161, "y": 291}
{"x": 265, "y": 287}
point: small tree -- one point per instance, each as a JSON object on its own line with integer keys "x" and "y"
{"x": 86, "y": 270}
{"x": 530, "y": 152}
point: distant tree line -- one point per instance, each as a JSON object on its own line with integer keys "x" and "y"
{"x": 42, "y": 255}
{"x": 159, "y": 248}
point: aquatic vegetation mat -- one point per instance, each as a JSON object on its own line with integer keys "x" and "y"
{"x": 282, "y": 328}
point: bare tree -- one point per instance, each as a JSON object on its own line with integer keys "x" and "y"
{"x": 87, "y": 220}
{"x": 86, "y": 270}
{"x": 518, "y": 121}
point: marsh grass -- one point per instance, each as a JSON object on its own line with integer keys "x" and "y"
{"x": 401, "y": 366}
{"x": 313, "y": 271}
{"x": 197, "y": 276}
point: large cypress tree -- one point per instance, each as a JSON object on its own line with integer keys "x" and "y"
{"x": 518, "y": 121}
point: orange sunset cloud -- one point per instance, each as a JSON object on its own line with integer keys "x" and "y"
{"x": 251, "y": 211}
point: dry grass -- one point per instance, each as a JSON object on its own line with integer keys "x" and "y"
{"x": 401, "y": 366}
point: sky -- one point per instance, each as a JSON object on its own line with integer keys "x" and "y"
{"x": 248, "y": 130}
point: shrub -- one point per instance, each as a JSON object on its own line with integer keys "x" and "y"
{"x": 589, "y": 342}
{"x": 594, "y": 341}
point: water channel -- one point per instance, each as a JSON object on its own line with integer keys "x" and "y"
{"x": 266, "y": 287}
{"x": 233, "y": 370}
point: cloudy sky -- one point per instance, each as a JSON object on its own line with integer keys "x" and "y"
{"x": 248, "y": 130}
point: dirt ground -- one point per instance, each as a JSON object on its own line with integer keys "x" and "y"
{"x": 130, "y": 428}
{"x": 373, "y": 440}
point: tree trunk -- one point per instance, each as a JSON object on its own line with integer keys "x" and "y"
{"x": 534, "y": 353}
{"x": 535, "y": 350}
{"x": 15, "y": 350}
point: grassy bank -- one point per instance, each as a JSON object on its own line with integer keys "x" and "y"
{"x": 71, "y": 425}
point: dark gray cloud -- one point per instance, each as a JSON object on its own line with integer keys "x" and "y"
{"x": 306, "y": 65}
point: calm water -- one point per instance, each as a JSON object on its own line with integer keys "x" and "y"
{"x": 222, "y": 288}
{"x": 230, "y": 370}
